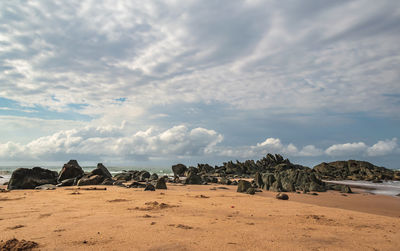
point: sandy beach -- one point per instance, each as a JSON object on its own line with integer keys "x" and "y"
{"x": 197, "y": 217}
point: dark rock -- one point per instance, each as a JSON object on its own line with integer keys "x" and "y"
{"x": 345, "y": 189}
{"x": 251, "y": 191}
{"x": 179, "y": 170}
{"x": 154, "y": 176}
{"x": 258, "y": 180}
{"x": 136, "y": 184}
{"x": 25, "y": 178}
{"x": 68, "y": 182}
{"x": 101, "y": 170}
{"x": 225, "y": 181}
{"x": 161, "y": 183}
{"x": 108, "y": 182}
{"x": 193, "y": 179}
{"x": 190, "y": 170}
{"x": 127, "y": 176}
{"x": 5, "y": 183}
{"x": 70, "y": 170}
{"x": 243, "y": 186}
{"x": 90, "y": 180}
{"x": 282, "y": 196}
{"x": 149, "y": 187}
{"x": 119, "y": 183}
{"x": 354, "y": 170}
{"x": 144, "y": 175}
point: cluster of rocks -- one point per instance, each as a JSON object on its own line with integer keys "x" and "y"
{"x": 72, "y": 174}
{"x": 355, "y": 170}
{"x": 272, "y": 173}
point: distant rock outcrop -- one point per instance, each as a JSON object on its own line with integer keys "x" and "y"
{"x": 95, "y": 177}
{"x": 25, "y": 178}
{"x": 355, "y": 170}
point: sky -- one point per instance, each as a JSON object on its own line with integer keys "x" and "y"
{"x": 155, "y": 83}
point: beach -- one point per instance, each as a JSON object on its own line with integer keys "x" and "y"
{"x": 198, "y": 217}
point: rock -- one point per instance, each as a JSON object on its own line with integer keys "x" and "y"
{"x": 149, "y": 187}
{"x": 108, "y": 182}
{"x": 193, "y": 179}
{"x": 354, "y": 170}
{"x": 89, "y": 181}
{"x": 161, "y": 183}
{"x": 68, "y": 182}
{"x": 258, "y": 180}
{"x": 179, "y": 170}
{"x": 243, "y": 186}
{"x": 251, "y": 191}
{"x": 1, "y": 177}
{"x": 25, "y": 178}
{"x": 144, "y": 175}
{"x": 46, "y": 187}
{"x": 154, "y": 176}
{"x": 119, "y": 183}
{"x": 127, "y": 176}
{"x": 70, "y": 170}
{"x": 14, "y": 244}
{"x": 101, "y": 170}
{"x": 225, "y": 181}
{"x": 345, "y": 189}
{"x": 282, "y": 196}
{"x": 5, "y": 183}
{"x": 136, "y": 184}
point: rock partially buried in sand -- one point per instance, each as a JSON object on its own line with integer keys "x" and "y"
{"x": 161, "y": 183}
{"x": 282, "y": 196}
{"x": 15, "y": 244}
{"x": 149, "y": 187}
{"x": 251, "y": 191}
{"x": 243, "y": 186}
{"x": 345, "y": 189}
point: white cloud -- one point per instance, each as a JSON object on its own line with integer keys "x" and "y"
{"x": 383, "y": 147}
{"x": 347, "y": 149}
{"x": 114, "y": 142}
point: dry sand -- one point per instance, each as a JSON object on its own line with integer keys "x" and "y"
{"x": 197, "y": 218}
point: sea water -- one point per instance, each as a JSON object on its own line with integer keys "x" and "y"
{"x": 385, "y": 188}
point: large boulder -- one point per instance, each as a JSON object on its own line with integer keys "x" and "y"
{"x": 243, "y": 186}
{"x": 179, "y": 170}
{"x": 25, "y": 178}
{"x": 70, "y": 170}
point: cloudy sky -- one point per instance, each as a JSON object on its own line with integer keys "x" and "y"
{"x": 152, "y": 83}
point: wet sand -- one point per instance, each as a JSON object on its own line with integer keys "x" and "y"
{"x": 197, "y": 218}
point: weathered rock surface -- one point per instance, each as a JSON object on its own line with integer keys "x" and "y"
{"x": 193, "y": 179}
{"x": 179, "y": 170}
{"x": 95, "y": 177}
{"x": 355, "y": 170}
{"x": 70, "y": 170}
{"x": 25, "y": 178}
{"x": 243, "y": 186}
{"x": 161, "y": 183}
{"x": 149, "y": 187}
